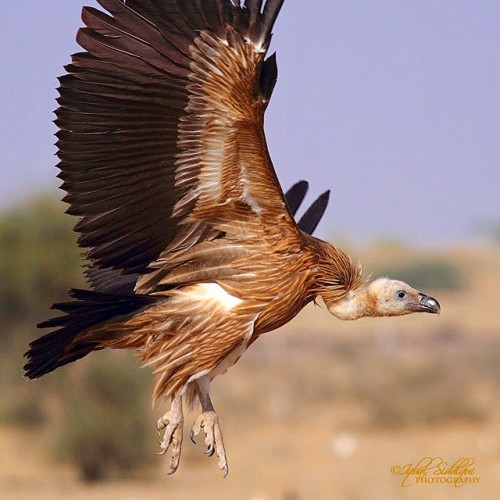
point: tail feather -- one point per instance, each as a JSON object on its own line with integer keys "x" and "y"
{"x": 88, "y": 309}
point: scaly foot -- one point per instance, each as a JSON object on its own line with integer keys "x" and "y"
{"x": 209, "y": 422}
{"x": 173, "y": 423}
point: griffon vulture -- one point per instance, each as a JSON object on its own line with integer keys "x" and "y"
{"x": 193, "y": 250}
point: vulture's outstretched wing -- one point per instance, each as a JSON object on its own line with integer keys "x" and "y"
{"x": 161, "y": 140}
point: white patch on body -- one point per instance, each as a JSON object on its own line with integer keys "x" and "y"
{"x": 228, "y": 361}
{"x": 195, "y": 377}
{"x": 214, "y": 292}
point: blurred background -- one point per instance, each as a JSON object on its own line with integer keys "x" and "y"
{"x": 393, "y": 105}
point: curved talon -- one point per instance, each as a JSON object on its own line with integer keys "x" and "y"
{"x": 191, "y": 436}
{"x": 209, "y": 422}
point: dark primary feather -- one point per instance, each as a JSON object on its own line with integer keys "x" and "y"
{"x": 268, "y": 76}
{"x": 310, "y": 220}
{"x": 110, "y": 280}
{"x": 269, "y": 14}
{"x": 295, "y": 195}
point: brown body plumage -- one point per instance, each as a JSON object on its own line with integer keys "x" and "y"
{"x": 191, "y": 330}
{"x": 193, "y": 248}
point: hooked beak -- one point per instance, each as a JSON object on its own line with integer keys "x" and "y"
{"x": 426, "y": 304}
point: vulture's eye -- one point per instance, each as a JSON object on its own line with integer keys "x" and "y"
{"x": 401, "y": 294}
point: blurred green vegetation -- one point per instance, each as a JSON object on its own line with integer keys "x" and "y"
{"x": 24, "y": 412}
{"x": 105, "y": 428}
{"x": 95, "y": 416}
{"x": 39, "y": 259}
{"x": 426, "y": 275}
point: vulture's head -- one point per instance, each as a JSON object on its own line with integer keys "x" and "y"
{"x": 383, "y": 297}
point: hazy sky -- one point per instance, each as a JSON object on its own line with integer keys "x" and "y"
{"x": 394, "y": 105}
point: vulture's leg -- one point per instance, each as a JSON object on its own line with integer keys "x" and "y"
{"x": 173, "y": 423}
{"x": 209, "y": 422}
